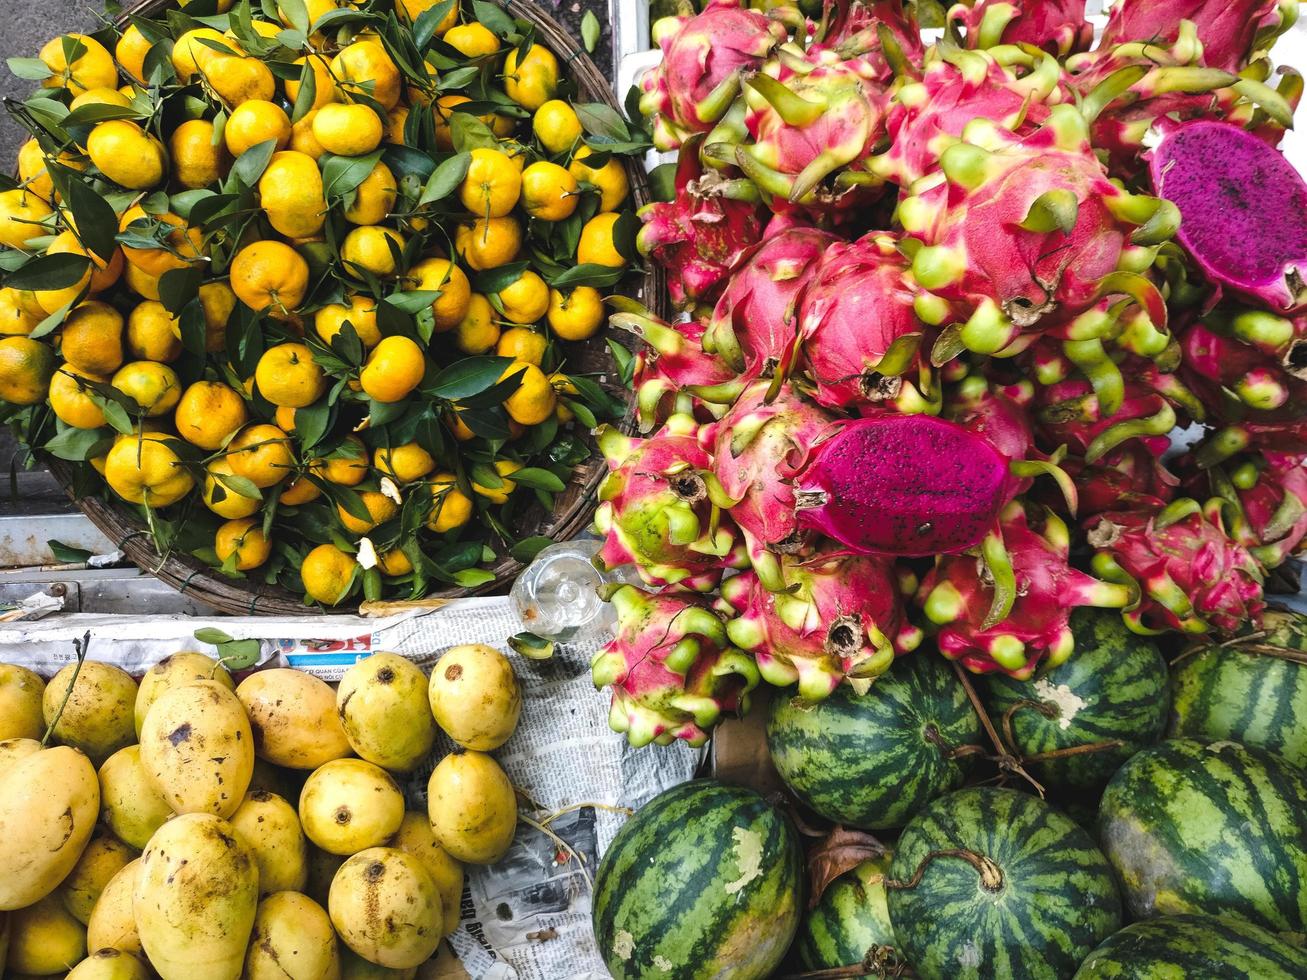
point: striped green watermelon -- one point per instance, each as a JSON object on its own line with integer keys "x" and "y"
{"x": 1194, "y": 947}
{"x": 1113, "y": 689}
{"x": 1213, "y": 828}
{"x": 873, "y": 760}
{"x": 990, "y": 883}
{"x": 1246, "y": 693}
{"x": 704, "y": 881}
{"x": 851, "y": 918}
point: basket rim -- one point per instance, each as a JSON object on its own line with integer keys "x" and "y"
{"x": 244, "y": 597}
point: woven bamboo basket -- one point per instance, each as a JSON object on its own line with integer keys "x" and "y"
{"x": 573, "y": 508}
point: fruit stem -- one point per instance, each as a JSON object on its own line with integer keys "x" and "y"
{"x": 80, "y": 646}
{"x": 991, "y": 875}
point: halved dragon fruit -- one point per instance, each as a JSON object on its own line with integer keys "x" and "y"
{"x": 1192, "y": 577}
{"x": 672, "y": 668}
{"x": 839, "y": 618}
{"x": 757, "y": 448}
{"x": 1244, "y": 210}
{"x": 1057, "y": 26}
{"x": 660, "y": 509}
{"x": 962, "y": 596}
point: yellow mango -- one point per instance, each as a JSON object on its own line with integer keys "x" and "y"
{"x": 472, "y": 807}
{"x": 103, "y": 858}
{"x": 386, "y": 908}
{"x": 112, "y": 924}
{"x": 109, "y": 964}
{"x": 382, "y": 703}
{"x": 96, "y": 716}
{"x": 415, "y": 837}
{"x": 348, "y": 805}
{"x": 292, "y": 940}
{"x": 270, "y": 828}
{"x": 131, "y": 806}
{"x": 294, "y": 718}
{"x": 197, "y": 749}
{"x": 44, "y": 938}
{"x": 21, "y": 691}
{"x": 176, "y": 671}
{"x": 474, "y": 696}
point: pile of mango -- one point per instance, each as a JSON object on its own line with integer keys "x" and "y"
{"x": 149, "y": 828}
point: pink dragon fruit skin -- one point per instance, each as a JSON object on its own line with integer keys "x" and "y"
{"x": 959, "y": 591}
{"x": 858, "y": 30}
{"x": 839, "y": 618}
{"x": 757, "y": 448}
{"x": 908, "y": 485}
{"x": 858, "y": 328}
{"x": 704, "y": 59}
{"x": 1192, "y": 577}
{"x": 659, "y": 509}
{"x": 1070, "y": 415}
{"x": 672, "y": 669}
{"x": 700, "y": 235}
{"x": 1029, "y": 230}
{"x": 928, "y": 114}
{"x": 1244, "y": 221}
{"x": 1263, "y": 383}
{"x": 1126, "y": 478}
{"x": 1057, "y": 26}
{"x": 753, "y": 324}
{"x": 1226, "y": 28}
{"x": 1273, "y": 507}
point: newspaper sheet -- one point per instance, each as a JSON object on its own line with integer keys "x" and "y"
{"x": 528, "y": 917}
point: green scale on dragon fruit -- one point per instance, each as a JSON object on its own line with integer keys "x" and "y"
{"x": 850, "y": 920}
{"x": 1252, "y": 691}
{"x": 990, "y": 883}
{"x": 1194, "y": 947}
{"x": 873, "y": 760}
{"x": 1212, "y": 828}
{"x": 1112, "y": 694}
{"x": 704, "y": 881}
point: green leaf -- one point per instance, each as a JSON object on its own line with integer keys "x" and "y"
{"x": 469, "y": 376}
{"x": 539, "y": 479}
{"x": 424, "y": 28}
{"x": 210, "y": 635}
{"x": 468, "y": 132}
{"x": 52, "y": 322}
{"x": 88, "y": 115}
{"x": 78, "y": 445}
{"x": 589, "y": 274}
{"x": 485, "y": 475}
{"x": 307, "y": 94}
{"x": 471, "y": 578}
{"x": 58, "y": 271}
{"x": 66, "y": 553}
{"x": 598, "y": 119}
{"x": 526, "y": 549}
{"x": 488, "y": 423}
{"x": 193, "y": 327}
{"x": 185, "y": 201}
{"x": 590, "y": 31}
{"x": 117, "y": 416}
{"x": 414, "y": 301}
{"x": 251, "y": 164}
{"x": 177, "y": 287}
{"x": 625, "y": 360}
{"x": 444, "y": 180}
{"x": 499, "y": 278}
{"x": 297, "y": 13}
{"x": 311, "y": 423}
{"x": 30, "y": 69}
{"x": 243, "y": 486}
{"x": 531, "y": 646}
{"x": 340, "y": 175}
{"x": 239, "y": 654}
{"x": 662, "y": 182}
{"x": 493, "y": 17}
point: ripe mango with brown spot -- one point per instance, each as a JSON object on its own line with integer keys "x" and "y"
{"x": 103, "y": 858}
{"x": 270, "y": 828}
{"x": 472, "y": 807}
{"x": 49, "y": 801}
{"x": 21, "y": 691}
{"x": 13, "y": 749}
{"x": 292, "y": 940}
{"x": 382, "y": 704}
{"x": 294, "y": 718}
{"x": 112, "y": 924}
{"x": 474, "y": 696}
{"x": 197, "y": 749}
{"x": 91, "y": 709}
{"x": 386, "y": 908}
{"x": 348, "y": 805}
{"x": 109, "y": 964}
{"x": 415, "y": 837}
{"x": 44, "y": 938}
{"x": 178, "y": 670}
{"x": 195, "y": 897}
{"x": 131, "y": 806}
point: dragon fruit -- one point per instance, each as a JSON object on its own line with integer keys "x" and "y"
{"x": 909, "y": 485}
{"x": 878, "y": 37}
{"x": 1245, "y": 218}
{"x": 672, "y": 669}
{"x": 1226, "y": 367}
{"x": 1192, "y": 577}
{"x": 1232, "y": 32}
{"x": 988, "y": 631}
{"x": 1126, "y": 478}
{"x": 757, "y": 448}
{"x": 838, "y": 618}
{"x": 1019, "y": 230}
{"x": 700, "y": 235}
{"x": 1267, "y": 493}
{"x": 675, "y": 366}
{"x": 660, "y": 509}
{"x": 753, "y": 325}
{"x": 705, "y": 57}
{"x": 927, "y": 114}
{"x": 1057, "y": 26}
{"x": 858, "y": 329}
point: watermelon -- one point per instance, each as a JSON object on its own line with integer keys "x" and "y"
{"x": 869, "y": 760}
{"x": 1112, "y": 689}
{"x": 851, "y": 918}
{"x": 1246, "y": 694}
{"x": 1194, "y": 947}
{"x": 1211, "y": 828}
{"x": 704, "y": 881}
{"x": 991, "y": 883}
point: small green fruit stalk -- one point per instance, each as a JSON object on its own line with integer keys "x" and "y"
{"x": 839, "y": 618}
{"x": 661, "y": 509}
{"x": 672, "y": 668}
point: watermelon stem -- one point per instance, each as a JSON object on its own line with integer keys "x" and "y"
{"x": 1048, "y": 711}
{"x": 1006, "y": 760}
{"x": 880, "y": 961}
{"x": 933, "y": 736}
{"x": 991, "y": 875}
